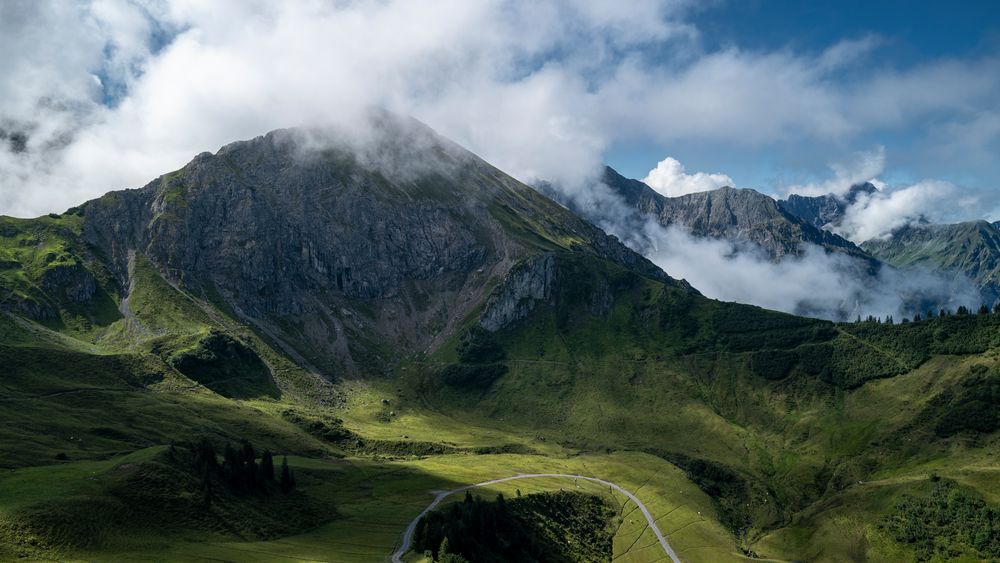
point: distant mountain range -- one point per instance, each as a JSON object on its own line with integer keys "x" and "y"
{"x": 778, "y": 229}
{"x": 744, "y": 216}
{"x": 969, "y": 249}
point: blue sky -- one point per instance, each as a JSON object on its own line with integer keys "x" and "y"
{"x": 907, "y": 35}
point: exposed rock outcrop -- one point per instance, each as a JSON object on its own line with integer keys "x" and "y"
{"x": 527, "y": 285}
{"x": 73, "y": 281}
{"x": 828, "y": 210}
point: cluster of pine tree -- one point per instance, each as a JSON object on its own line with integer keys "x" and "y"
{"x": 554, "y": 527}
{"x": 480, "y": 361}
{"x": 239, "y": 471}
{"x": 946, "y": 524}
{"x": 961, "y": 311}
{"x": 475, "y": 530}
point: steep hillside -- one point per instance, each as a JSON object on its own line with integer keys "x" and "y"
{"x": 344, "y": 251}
{"x": 969, "y": 249}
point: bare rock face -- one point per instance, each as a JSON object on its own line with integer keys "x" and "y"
{"x": 266, "y": 221}
{"x": 826, "y": 210}
{"x": 350, "y": 248}
{"x": 526, "y": 286}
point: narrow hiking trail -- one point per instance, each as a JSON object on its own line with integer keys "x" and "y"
{"x": 397, "y": 556}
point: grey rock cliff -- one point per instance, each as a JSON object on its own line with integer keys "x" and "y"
{"x": 525, "y": 286}
{"x": 350, "y": 249}
{"x": 826, "y": 210}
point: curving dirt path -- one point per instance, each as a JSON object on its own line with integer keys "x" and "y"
{"x": 397, "y": 556}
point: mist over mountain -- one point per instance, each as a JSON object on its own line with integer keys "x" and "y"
{"x": 964, "y": 250}
{"x": 825, "y": 211}
{"x": 742, "y": 245}
{"x": 305, "y": 224}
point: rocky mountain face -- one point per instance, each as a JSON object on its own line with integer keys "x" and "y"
{"x": 825, "y": 210}
{"x": 744, "y": 216}
{"x": 349, "y": 250}
{"x": 969, "y": 249}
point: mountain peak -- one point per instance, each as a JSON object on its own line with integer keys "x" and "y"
{"x": 394, "y": 224}
{"x": 826, "y": 210}
{"x": 866, "y": 188}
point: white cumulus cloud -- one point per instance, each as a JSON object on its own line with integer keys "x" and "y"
{"x": 670, "y": 179}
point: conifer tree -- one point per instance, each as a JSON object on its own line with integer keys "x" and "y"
{"x": 443, "y": 548}
{"x": 267, "y": 466}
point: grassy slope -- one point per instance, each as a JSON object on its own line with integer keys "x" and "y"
{"x": 115, "y": 391}
{"x": 604, "y": 382}
{"x": 657, "y": 370}
{"x": 970, "y": 248}
{"x": 33, "y": 252}
{"x": 376, "y": 500}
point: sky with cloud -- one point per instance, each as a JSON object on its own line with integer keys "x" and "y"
{"x": 779, "y": 96}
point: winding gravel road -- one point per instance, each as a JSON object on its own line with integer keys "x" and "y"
{"x": 397, "y": 557}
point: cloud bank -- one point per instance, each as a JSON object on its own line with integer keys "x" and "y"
{"x": 879, "y": 214}
{"x": 816, "y": 284}
{"x": 106, "y": 94}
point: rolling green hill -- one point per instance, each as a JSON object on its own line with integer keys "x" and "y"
{"x": 397, "y": 317}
